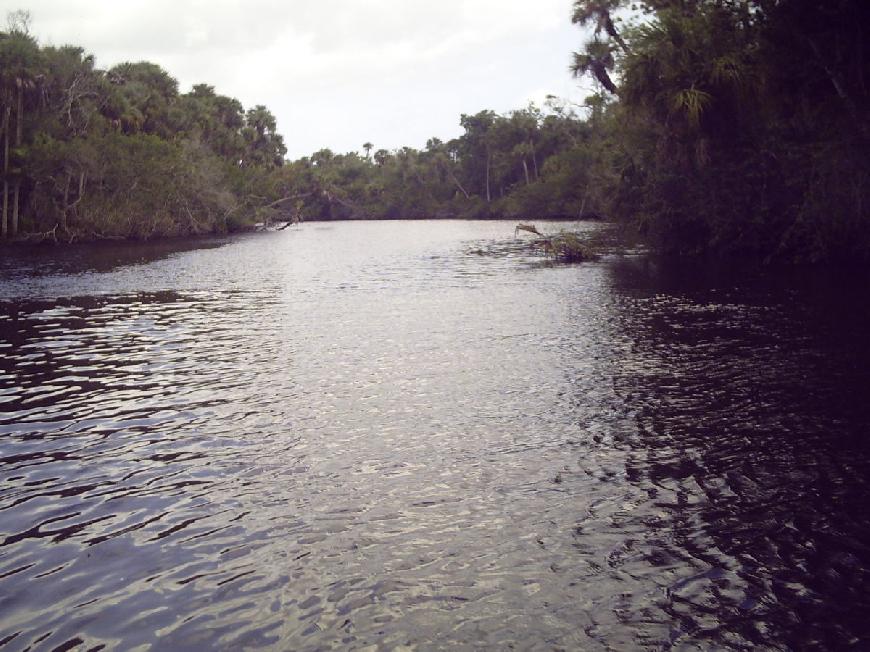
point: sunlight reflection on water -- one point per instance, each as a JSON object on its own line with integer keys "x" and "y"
{"x": 370, "y": 434}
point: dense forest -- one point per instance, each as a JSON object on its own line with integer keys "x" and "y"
{"x": 120, "y": 153}
{"x": 738, "y": 127}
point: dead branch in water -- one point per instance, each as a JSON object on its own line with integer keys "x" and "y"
{"x": 530, "y": 228}
{"x": 564, "y": 246}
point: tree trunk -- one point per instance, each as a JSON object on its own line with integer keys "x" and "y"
{"x": 534, "y": 160}
{"x": 19, "y": 129}
{"x": 5, "y": 224}
{"x": 839, "y": 85}
{"x": 488, "y": 160}
{"x": 19, "y": 132}
{"x": 458, "y": 185}
{"x": 14, "y": 230}
{"x": 526, "y": 171}
{"x": 65, "y": 209}
{"x": 834, "y": 78}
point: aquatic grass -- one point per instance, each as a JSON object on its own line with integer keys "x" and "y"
{"x": 566, "y": 247}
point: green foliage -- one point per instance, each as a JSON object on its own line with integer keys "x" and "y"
{"x": 139, "y": 186}
{"x": 738, "y": 127}
{"x": 497, "y": 168}
{"x": 567, "y": 247}
{"x": 264, "y": 146}
{"x": 120, "y": 153}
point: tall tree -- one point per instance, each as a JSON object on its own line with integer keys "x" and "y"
{"x": 476, "y": 150}
{"x": 597, "y": 57}
{"x": 146, "y": 93}
{"x": 20, "y": 71}
{"x": 264, "y": 145}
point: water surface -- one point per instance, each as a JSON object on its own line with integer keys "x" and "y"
{"x": 417, "y": 434}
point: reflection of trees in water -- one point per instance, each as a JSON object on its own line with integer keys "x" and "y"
{"x": 97, "y": 257}
{"x": 748, "y": 417}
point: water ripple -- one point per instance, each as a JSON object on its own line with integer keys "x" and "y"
{"x": 375, "y": 435}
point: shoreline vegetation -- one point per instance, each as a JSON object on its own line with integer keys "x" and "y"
{"x": 733, "y": 128}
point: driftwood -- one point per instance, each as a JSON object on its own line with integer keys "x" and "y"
{"x": 273, "y": 204}
{"x": 331, "y": 197}
{"x": 295, "y": 219}
{"x": 288, "y": 198}
{"x": 529, "y": 228}
{"x": 39, "y": 237}
{"x": 567, "y": 247}
{"x": 564, "y": 246}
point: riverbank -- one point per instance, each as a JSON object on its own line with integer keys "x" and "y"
{"x": 53, "y": 239}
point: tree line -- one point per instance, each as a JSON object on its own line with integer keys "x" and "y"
{"x": 529, "y": 162}
{"x": 121, "y": 153}
{"x": 738, "y": 127}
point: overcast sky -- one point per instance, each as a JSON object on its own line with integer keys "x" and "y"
{"x": 336, "y": 73}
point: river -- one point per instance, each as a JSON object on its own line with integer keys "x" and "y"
{"x": 419, "y": 435}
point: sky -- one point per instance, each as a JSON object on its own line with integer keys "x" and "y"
{"x": 337, "y": 73}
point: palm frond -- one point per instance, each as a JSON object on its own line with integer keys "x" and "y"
{"x": 691, "y": 102}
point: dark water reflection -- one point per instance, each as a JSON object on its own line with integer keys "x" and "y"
{"x": 750, "y": 399}
{"x": 355, "y": 434}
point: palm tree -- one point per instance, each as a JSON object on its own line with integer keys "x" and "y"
{"x": 367, "y": 146}
{"x": 265, "y": 145}
{"x": 597, "y": 60}
{"x": 381, "y": 157}
{"x": 19, "y": 74}
{"x": 598, "y": 12}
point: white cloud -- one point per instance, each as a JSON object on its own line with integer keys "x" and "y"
{"x": 337, "y": 73}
